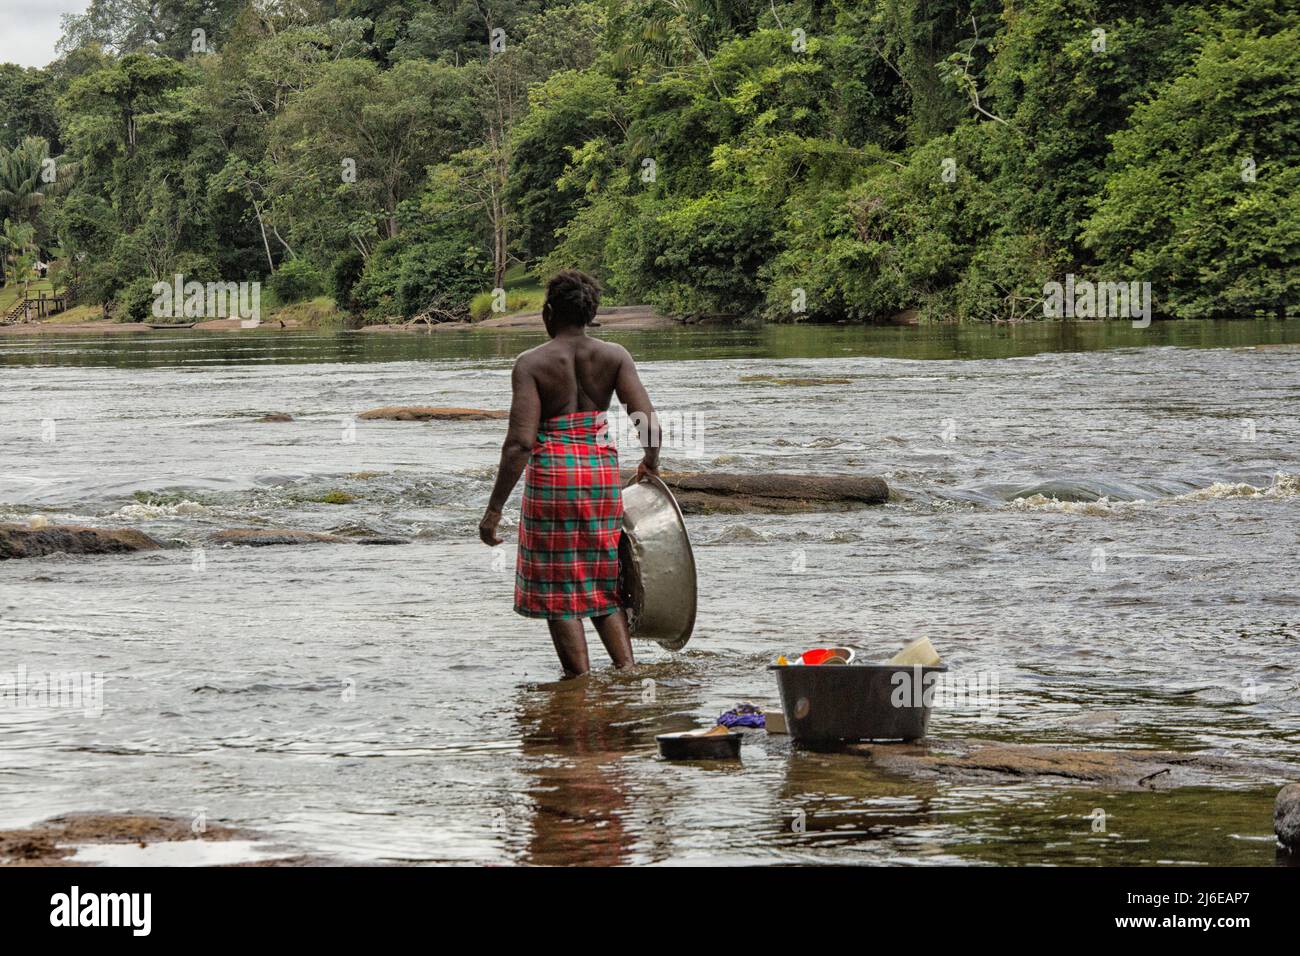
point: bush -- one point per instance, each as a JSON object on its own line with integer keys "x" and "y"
{"x": 134, "y": 301}
{"x": 296, "y": 280}
{"x": 375, "y": 291}
{"x": 700, "y": 256}
{"x": 442, "y": 273}
{"x": 345, "y": 273}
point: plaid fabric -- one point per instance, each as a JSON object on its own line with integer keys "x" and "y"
{"x": 572, "y": 519}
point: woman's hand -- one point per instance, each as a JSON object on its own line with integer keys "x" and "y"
{"x": 487, "y": 528}
{"x": 644, "y": 468}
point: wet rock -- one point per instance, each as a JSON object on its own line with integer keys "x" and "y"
{"x": 1286, "y": 817}
{"x": 51, "y": 842}
{"x": 26, "y": 541}
{"x": 426, "y": 413}
{"x": 266, "y": 537}
{"x": 276, "y": 417}
{"x": 986, "y": 760}
{"x": 802, "y": 381}
{"x": 263, "y": 537}
{"x": 55, "y": 842}
{"x": 726, "y": 493}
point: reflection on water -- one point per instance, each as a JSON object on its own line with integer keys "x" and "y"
{"x": 974, "y": 341}
{"x": 1111, "y": 532}
{"x": 576, "y": 738}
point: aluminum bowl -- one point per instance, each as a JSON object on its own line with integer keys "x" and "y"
{"x": 694, "y": 746}
{"x": 656, "y": 566}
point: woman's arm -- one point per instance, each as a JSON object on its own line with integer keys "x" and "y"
{"x": 637, "y": 401}
{"x": 525, "y": 418}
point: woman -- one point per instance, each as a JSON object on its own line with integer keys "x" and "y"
{"x": 572, "y": 513}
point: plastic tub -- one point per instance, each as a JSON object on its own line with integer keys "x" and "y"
{"x": 826, "y": 706}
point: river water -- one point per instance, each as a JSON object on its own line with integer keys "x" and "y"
{"x": 1101, "y": 520}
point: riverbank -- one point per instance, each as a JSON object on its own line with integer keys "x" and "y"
{"x": 619, "y": 317}
{"x": 304, "y": 316}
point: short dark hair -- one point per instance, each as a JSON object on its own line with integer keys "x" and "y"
{"x": 573, "y": 297}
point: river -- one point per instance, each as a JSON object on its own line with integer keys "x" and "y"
{"x": 1103, "y": 517}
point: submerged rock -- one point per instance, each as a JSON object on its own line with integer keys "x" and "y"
{"x": 995, "y": 761}
{"x": 792, "y": 380}
{"x": 1286, "y": 817}
{"x": 57, "y": 841}
{"x": 265, "y": 537}
{"x": 27, "y": 541}
{"x": 261, "y": 537}
{"x": 427, "y": 413}
{"x": 276, "y": 417}
{"x": 726, "y": 493}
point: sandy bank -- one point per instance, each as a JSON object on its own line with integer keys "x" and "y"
{"x": 617, "y": 317}
{"x": 92, "y": 839}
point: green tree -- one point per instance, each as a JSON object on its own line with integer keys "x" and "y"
{"x": 1204, "y": 200}
{"x": 25, "y": 174}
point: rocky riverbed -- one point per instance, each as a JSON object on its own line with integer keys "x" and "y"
{"x": 1097, "y": 530}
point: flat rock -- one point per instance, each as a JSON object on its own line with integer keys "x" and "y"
{"x": 793, "y": 380}
{"x": 726, "y": 493}
{"x": 24, "y": 541}
{"x": 262, "y": 537}
{"x": 276, "y": 417}
{"x": 427, "y": 413}
{"x": 988, "y": 760}
{"x": 54, "y": 842}
{"x": 265, "y": 537}
{"x": 1286, "y": 817}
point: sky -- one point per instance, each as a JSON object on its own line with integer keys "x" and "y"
{"x": 30, "y": 28}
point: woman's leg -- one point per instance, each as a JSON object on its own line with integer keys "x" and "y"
{"x": 612, "y": 629}
{"x": 571, "y": 645}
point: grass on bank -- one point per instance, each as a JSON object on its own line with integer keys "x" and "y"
{"x": 320, "y": 312}
{"x": 12, "y": 292}
{"x": 523, "y": 294}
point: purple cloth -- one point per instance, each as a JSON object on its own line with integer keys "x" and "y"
{"x": 743, "y": 715}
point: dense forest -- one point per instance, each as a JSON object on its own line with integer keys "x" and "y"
{"x": 816, "y": 160}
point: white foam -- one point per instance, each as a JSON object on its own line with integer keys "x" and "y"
{"x": 146, "y": 509}
{"x": 1283, "y": 486}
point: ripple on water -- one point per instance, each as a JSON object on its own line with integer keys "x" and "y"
{"x": 384, "y": 704}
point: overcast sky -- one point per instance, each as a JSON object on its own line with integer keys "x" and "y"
{"x": 30, "y": 28}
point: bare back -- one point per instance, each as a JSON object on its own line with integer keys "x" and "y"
{"x": 574, "y": 374}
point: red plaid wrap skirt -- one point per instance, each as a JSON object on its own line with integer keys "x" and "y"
{"x": 571, "y": 523}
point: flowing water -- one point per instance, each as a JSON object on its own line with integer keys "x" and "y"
{"x": 1102, "y": 520}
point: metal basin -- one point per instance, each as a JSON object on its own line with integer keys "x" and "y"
{"x": 693, "y": 746}
{"x": 656, "y": 566}
{"x": 825, "y": 706}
